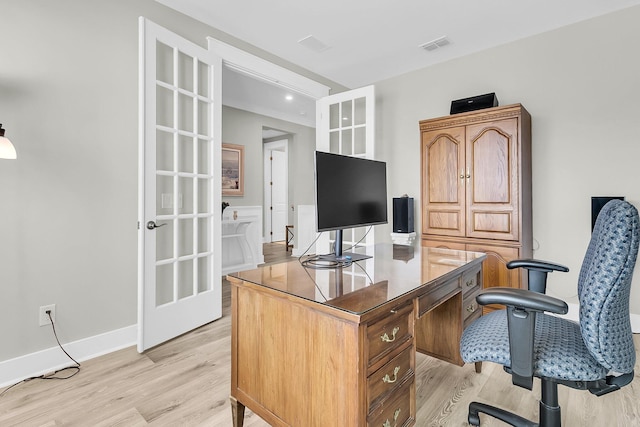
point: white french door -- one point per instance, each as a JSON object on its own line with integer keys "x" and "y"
{"x": 180, "y": 190}
{"x": 345, "y": 124}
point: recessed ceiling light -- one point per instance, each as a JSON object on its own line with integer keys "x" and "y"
{"x": 289, "y": 97}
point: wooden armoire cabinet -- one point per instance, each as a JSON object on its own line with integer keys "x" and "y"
{"x": 476, "y": 187}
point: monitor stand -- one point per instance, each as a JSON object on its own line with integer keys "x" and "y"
{"x": 339, "y": 256}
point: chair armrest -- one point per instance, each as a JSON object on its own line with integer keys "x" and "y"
{"x": 522, "y": 298}
{"x": 537, "y": 272}
{"x": 537, "y": 265}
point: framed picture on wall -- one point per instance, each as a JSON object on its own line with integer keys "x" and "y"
{"x": 232, "y": 170}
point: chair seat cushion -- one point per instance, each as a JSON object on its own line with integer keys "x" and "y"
{"x": 559, "y": 350}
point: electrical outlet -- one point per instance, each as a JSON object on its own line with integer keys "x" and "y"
{"x": 44, "y": 317}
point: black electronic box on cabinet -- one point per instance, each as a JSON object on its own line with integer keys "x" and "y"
{"x": 474, "y": 103}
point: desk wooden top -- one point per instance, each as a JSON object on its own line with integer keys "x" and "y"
{"x": 392, "y": 272}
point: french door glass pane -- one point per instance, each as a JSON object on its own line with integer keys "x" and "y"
{"x": 164, "y": 240}
{"x": 347, "y": 114}
{"x": 185, "y": 196}
{"x": 204, "y": 166}
{"x": 203, "y": 79}
{"x": 164, "y": 63}
{"x": 185, "y": 72}
{"x": 203, "y": 118}
{"x": 204, "y": 278}
{"x": 185, "y": 112}
{"x": 164, "y": 106}
{"x": 164, "y": 195}
{"x": 334, "y": 142}
{"x": 185, "y": 154}
{"x": 164, "y": 151}
{"x": 204, "y": 245}
{"x": 334, "y": 116}
{"x": 347, "y": 147}
{"x": 164, "y": 284}
{"x": 360, "y": 111}
{"x": 185, "y": 278}
{"x": 360, "y": 141}
{"x": 185, "y": 237}
{"x": 203, "y": 196}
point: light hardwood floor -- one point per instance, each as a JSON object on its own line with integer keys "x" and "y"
{"x": 186, "y": 382}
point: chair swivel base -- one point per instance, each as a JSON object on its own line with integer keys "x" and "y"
{"x": 508, "y": 417}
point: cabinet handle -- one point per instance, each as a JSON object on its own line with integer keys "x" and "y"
{"x": 388, "y": 379}
{"x": 468, "y": 173}
{"x": 461, "y": 173}
{"x": 386, "y": 338}
{"x": 471, "y": 308}
{"x": 395, "y": 419}
{"x": 469, "y": 283}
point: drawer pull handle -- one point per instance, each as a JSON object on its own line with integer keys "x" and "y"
{"x": 387, "y": 379}
{"x": 469, "y": 283}
{"x": 471, "y": 308}
{"x": 395, "y": 419}
{"x": 386, "y": 338}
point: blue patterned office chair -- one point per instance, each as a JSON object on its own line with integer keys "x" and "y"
{"x": 597, "y": 354}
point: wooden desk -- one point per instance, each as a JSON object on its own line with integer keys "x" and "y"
{"x": 337, "y": 347}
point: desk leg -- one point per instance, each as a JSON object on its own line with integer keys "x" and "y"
{"x": 237, "y": 412}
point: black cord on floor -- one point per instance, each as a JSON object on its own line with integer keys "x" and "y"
{"x": 52, "y": 375}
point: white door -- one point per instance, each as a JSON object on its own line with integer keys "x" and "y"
{"x": 180, "y": 189}
{"x": 276, "y": 190}
{"x": 278, "y": 195}
{"x": 345, "y": 124}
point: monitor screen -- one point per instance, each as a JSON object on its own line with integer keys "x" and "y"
{"x": 350, "y": 192}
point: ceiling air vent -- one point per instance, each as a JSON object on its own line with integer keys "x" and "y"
{"x": 435, "y": 44}
{"x": 310, "y": 42}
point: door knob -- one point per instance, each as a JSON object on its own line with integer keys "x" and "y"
{"x": 152, "y": 225}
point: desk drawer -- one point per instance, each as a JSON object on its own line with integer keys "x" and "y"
{"x": 436, "y": 296}
{"x": 390, "y": 332}
{"x": 471, "y": 283}
{"x": 389, "y": 376}
{"x": 395, "y": 411}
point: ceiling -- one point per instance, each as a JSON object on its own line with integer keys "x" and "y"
{"x": 360, "y": 42}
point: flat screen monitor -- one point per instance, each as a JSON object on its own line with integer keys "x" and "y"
{"x": 350, "y": 192}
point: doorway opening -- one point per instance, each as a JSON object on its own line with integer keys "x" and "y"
{"x": 276, "y": 187}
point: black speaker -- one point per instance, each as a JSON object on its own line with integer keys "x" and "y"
{"x": 597, "y": 203}
{"x": 403, "y": 215}
{"x": 474, "y": 103}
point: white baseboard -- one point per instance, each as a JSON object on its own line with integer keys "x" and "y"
{"x": 574, "y": 314}
{"x": 46, "y": 361}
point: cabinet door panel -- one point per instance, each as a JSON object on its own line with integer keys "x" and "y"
{"x": 443, "y": 182}
{"x": 492, "y": 181}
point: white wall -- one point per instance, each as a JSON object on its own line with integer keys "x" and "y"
{"x": 68, "y": 204}
{"x": 581, "y": 85}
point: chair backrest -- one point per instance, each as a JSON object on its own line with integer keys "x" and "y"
{"x": 604, "y": 286}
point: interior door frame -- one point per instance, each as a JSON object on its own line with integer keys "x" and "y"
{"x": 261, "y": 69}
